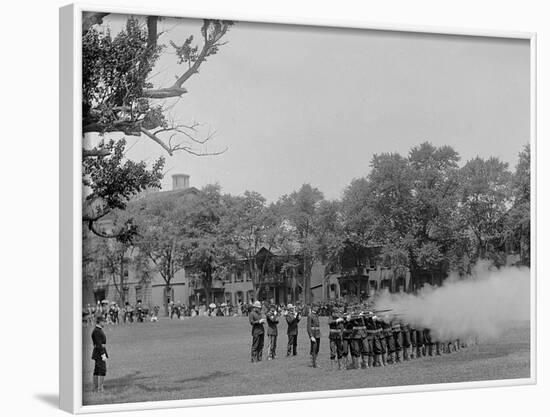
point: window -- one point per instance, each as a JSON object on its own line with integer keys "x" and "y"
{"x": 139, "y": 293}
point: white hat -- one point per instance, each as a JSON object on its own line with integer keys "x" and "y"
{"x": 257, "y": 304}
{"x": 290, "y": 306}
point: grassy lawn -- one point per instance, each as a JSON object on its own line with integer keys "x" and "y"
{"x": 210, "y": 357}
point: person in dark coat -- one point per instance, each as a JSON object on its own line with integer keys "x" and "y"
{"x": 406, "y": 337}
{"x": 314, "y": 333}
{"x": 336, "y": 326}
{"x": 428, "y": 343}
{"x": 99, "y": 354}
{"x": 420, "y": 348}
{"x": 272, "y": 320}
{"x": 373, "y": 345}
{"x": 388, "y": 336}
{"x": 414, "y": 353}
{"x": 292, "y": 320}
{"x": 359, "y": 331}
{"x": 379, "y": 344}
{"x": 347, "y": 340}
{"x": 397, "y": 341}
{"x": 257, "y": 323}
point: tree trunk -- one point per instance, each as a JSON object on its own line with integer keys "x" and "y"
{"x": 208, "y": 287}
{"x": 165, "y": 296}
{"x": 307, "y": 282}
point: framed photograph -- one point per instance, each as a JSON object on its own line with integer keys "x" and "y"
{"x": 271, "y": 209}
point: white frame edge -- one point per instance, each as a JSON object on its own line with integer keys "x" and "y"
{"x": 70, "y": 209}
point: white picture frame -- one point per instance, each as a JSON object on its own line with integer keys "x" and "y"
{"x": 70, "y": 292}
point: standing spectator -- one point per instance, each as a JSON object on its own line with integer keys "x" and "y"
{"x": 272, "y": 321}
{"x": 170, "y": 309}
{"x": 314, "y": 333}
{"x": 292, "y": 320}
{"x": 257, "y": 323}
{"x": 99, "y": 354}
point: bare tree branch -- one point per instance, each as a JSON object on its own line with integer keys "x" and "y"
{"x": 211, "y": 42}
{"x": 156, "y": 139}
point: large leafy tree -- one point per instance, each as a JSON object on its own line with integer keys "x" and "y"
{"x": 115, "y": 258}
{"x": 406, "y": 206}
{"x": 110, "y": 182}
{"x": 118, "y": 97}
{"x": 518, "y": 221}
{"x": 207, "y": 243}
{"x": 391, "y": 188}
{"x": 161, "y": 239}
{"x": 250, "y": 225}
{"x": 300, "y": 210}
{"x": 483, "y": 204}
{"x": 434, "y": 229}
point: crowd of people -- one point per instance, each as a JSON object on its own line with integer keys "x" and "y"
{"x": 359, "y": 338}
{"x": 112, "y": 313}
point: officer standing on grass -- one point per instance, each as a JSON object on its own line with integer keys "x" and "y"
{"x": 272, "y": 320}
{"x": 336, "y": 326}
{"x": 314, "y": 333}
{"x": 292, "y": 320}
{"x": 257, "y": 322}
{"x": 99, "y": 354}
{"x": 347, "y": 340}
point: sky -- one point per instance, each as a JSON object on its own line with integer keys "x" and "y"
{"x": 297, "y": 104}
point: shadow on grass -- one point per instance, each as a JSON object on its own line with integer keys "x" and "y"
{"x": 116, "y": 386}
{"x": 178, "y": 387}
{"x": 205, "y": 378}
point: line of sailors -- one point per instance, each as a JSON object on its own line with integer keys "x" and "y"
{"x": 372, "y": 340}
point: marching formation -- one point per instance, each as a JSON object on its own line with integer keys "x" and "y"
{"x": 358, "y": 338}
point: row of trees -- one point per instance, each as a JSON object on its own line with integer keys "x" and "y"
{"x": 423, "y": 211}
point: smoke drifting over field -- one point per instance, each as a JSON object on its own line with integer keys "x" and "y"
{"x": 481, "y": 305}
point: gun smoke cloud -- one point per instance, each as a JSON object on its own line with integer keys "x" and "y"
{"x": 482, "y": 305}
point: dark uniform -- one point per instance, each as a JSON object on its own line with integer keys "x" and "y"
{"x": 314, "y": 333}
{"x": 373, "y": 343}
{"x": 414, "y": 353}
{"x": 347, "y": 340}
{"x": 359, "y": 331}
{"x": 380, "y": 337}
{"x": 420, "y": 350}
{"x": 397, "y": 340}
{"x": 428, "y": 341}
{"x": 99, "y": 355}
{"x": 390, "y": 343}
{"x": 406, "y": 337}
{"x": 292, "y": 320}
{"x": 257, "y": 336}
{"x": 365, "y": 347}
{"x": 336, "y": 327}
{"x": 272, "y": 321}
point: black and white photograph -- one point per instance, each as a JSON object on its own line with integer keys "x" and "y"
{"x": 275, "y": 208}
